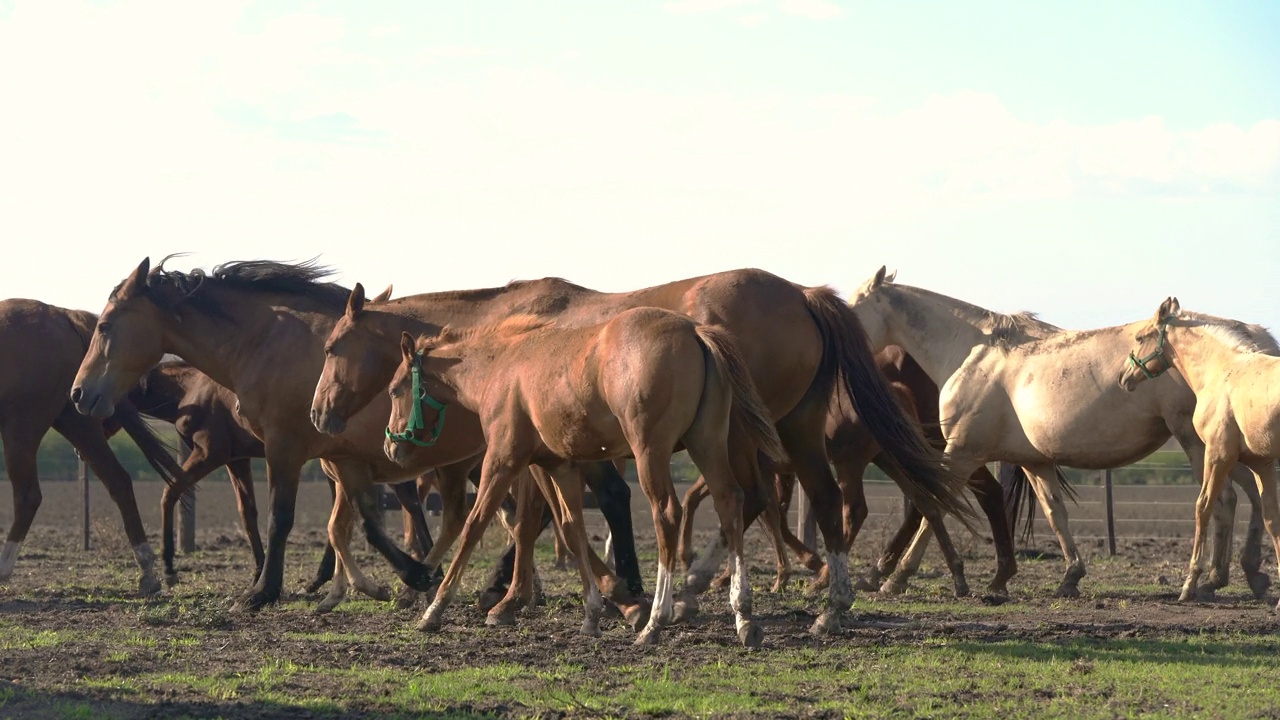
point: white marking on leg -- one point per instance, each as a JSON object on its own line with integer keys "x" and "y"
{"x": 8, "y": 557}
{"x": 841, "y": 590}
{"x": 609, "y": 558}
{"x": 146, "y": 558}
{"x": 740, "y": 592}
{"x": 660, "y": 613}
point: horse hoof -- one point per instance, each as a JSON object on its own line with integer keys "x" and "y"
{"x": 490, "y": 598}
{"x": 1259, "y": 584}
{"x": 751, "y": 635}
{"x": 311, "y": 589}
{"x": 1067, "y": 591}
{"x": 865, "y": 585}
{"x": 697, "y": 583}
{"x": 893, "y": 587}
{"x": 648, "y": 637}
{"x": 326, "y": 606}
{"x": 962, "y": 589}
{"x": 1206, "y": 593}
{"x": 254, "y": 601}
{"x": 684, "y": 610}
{"x": 430, "y": 624}
{"x": 1277, "y": 608}
{"x": 170, "y": 579}
{"x": 406, "y": 598}
{"x": 827, "y": 623}
{"x": 1216, "y": 580}
{"x": 500, "y": 619}
{"x": 148, "y": 585}
{"x": 637, "y": 616}
{"x": 778, "y": 585}
{"x": 721, "y": 582}
{"x": 1188, "y": 594}
{"x": 382, "y": 593}
{"x": 559, "y": 564}
{"x": 998, "y": 588}
{"x": 589, "y": 629}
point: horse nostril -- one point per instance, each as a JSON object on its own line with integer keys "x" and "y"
{"x": 77, "y": 393}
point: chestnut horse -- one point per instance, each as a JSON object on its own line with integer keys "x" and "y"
{"x": 639, "y": 385}
{"x": 40, "y": 348}
{"x": 1236, "y": 381}
{"x": 798, "y": 342}
{"x": 1017, "y": 389}
{"x": 851, "y": 448}
{"x": 203, "y": 413}
{"x": 258, "y": 329}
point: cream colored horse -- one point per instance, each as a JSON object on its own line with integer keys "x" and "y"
{"x": 1022, "y": 391}
{"x": 1237, "y": 388}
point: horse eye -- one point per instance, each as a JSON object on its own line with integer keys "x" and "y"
{"x": 395, "y": 393}
{"x": 104, "y": 328}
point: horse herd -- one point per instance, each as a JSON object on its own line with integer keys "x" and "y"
{"x": 546, "y": 386}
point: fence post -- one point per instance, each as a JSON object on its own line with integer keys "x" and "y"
{"x": 1111, "y": 514}
{"x": 186, "y": 509}
{"x": 83, "y": 472}
{"x": 805, "y": 519}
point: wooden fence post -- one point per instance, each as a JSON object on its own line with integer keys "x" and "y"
{"x": 186, "y": 509}
{"x": 1111, "y": 514}
{"x": 83, "y": 471}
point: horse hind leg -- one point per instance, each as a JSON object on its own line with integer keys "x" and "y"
{"x": 990, "y": 496}
{"x": 1251, "y": 553}
{"x": 1223, "y": 520}
{"x": 1264, "y": 471}
{"x": 654, "y": 469}
{"x": 1048, "y": 489}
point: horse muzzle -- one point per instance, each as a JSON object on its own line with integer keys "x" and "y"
{"x": 93, "y": 404}
{"x": 327, "y": 422}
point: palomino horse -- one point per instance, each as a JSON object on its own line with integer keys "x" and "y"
{"x": 40, "y": 348}
{"x": 797, "y": 341}
{"x": 851, "y": 448}
{"x": 203, "y": 413}
{"x": 1237, "y": 389}
{"x": 258, "y": 329}
{"x": 1016, "y": 389}
{"x": 639, "y": 385}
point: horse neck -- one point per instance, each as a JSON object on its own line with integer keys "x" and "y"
{"x": 1197, "y": 355}
{"x": 937, "y": 334}
{"x": 249, "y": 337}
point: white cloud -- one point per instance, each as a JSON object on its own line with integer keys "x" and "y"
{"x": 812, "y": 9}
{"x": 752, "y": 19}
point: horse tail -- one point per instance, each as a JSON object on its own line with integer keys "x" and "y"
{"x": 1015, "y": 486}
{"x": 749, "y": 409}
{"x": 158, "y": 453}
{"x": 847, "y": 359}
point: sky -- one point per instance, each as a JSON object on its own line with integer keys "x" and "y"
{"x": 1081, "y": 160}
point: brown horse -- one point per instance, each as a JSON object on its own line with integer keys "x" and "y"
{"x": 639, "y": 385}
{"x": 204, "y": 415}
{"x": 40, "y": 349}
{"x": 851, "y": 448}
{"x": 797, "y": 342}
{"x": 258, "y": 329}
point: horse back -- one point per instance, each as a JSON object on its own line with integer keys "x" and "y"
{"x": 41, "y": 347}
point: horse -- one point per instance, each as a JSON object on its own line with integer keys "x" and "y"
{"x": 204, "y": 415}
{"x": 1017, "y": 389}
{"x": 851, "y": 448}
{"x": 258, "y": 329}
{"x": 41, "y": 346}
{"x": 1236, "y": 381}
{"x": 641, "y": 385}
{"x": 798, "y": 342}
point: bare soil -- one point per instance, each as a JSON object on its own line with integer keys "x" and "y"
{"x": 74, "y": 625}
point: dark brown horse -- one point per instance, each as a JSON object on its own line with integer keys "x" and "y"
{"x": 40, "y": 348}
{"x": 851, "y": 448}
{"x": 258, "y": 329}
{"x": 797, "y": 341}
{"x": 640, "y": 385}
{"x": 204, "y": 415}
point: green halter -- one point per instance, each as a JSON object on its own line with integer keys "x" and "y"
{"x": 416, "y": 424}
{"x": 1141, "y": 363}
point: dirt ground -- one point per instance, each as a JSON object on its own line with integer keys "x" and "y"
{"x": 73, "y": 625}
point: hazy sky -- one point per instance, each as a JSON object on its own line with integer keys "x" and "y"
{"x": 1082, "y": 159}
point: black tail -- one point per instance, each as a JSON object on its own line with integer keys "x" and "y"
{"x": 1016, "y": 483}
{"x": 157, "y": 452}
{"x": 848, "y": 357}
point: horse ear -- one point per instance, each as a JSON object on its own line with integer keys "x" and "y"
{"x": 137, "y": 280}
{"x": 1168, "y": 309}
{"x": 383, "y": 296}
{"x": 891, "y": 276}
{"x": 878, "y": 280}
{"x": 407, "y": 347}
{"x": 355, "y": 302}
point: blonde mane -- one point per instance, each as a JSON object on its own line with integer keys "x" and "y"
{"x": 1238, "y": 336}
{"x": 1003, "y": 330}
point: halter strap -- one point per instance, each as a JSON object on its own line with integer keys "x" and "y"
{"x": 1141, "y": 363}
{"x": 416, "y": 424}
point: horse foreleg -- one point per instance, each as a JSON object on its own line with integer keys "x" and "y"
{"x": 614, "y": 498}
{"x": 503, "y": 603}
{"x": 452, "y": 484}
{"x": 284, "y": 466}
{"x": 693, "y": 497}
{"x": 986, "y": 489}
{"x": 1222, "y": 528}
{"x": 241, "y": 473}
{"x": 196, "y": 467}
{"x": 329, "y": 559}
{"x": 21, "y": 445}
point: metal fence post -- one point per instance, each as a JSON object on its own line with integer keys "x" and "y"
{"x": 1111, "y": 514}
{"x": 83, "y": 472}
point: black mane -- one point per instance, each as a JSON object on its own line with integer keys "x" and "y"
{"x": 303, "y": 279}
